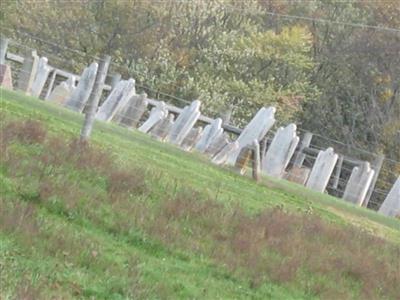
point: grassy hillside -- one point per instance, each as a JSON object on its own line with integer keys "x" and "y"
{"x": 129, "y": 217}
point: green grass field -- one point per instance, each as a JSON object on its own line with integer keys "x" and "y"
{"x": 131, "y": 218}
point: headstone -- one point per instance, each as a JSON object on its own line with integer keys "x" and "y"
{"x": 358, "y": 184}
{"x": 5, "y": 77}
{"x": 322, "y": 170}
{"x": 116, "y": 100}
{"x": 161, "y": 129}
{"x": 243, "y": 159}
{"x": 157, "y": 114}
{"x": 41, "y": 75}
{"x": 255, "y": 130}
{"x": 280, "y": 151}
{"x": 298, "y": 175}
{"x": 192, "y": 138}
{"x": 132, "y": 112}
{"x": 221, "y": 157}
{"x": 28, "y": 71}
{"x": 218, "y": 143}
{"x": 185, "y": 121}
{"x": 211, "y": 131}
{"x": 81, "y": 94}
{"x": 63, "y": 91}
{"x": 391, "y": 206}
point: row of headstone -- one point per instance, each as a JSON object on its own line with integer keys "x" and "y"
{"x": 125, "y": 107}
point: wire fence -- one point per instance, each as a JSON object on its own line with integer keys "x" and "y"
{"x": 134, "y": 114}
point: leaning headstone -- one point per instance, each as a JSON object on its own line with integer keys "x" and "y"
{"x": 358, "y": 184}
{"x": 221, "y": 157}
{"x": 185, "y": 121}
{"x": 81, "y": 94}
{"x": 255, "y": 130}
{"x": 322, "y": 170}
{"x": 63, "y": 91}
{"x": 218, "y": 143}
{"x": 5, "y": 77}
{"x": 192, "y": 138}
{"x": 280, "y": 151}
{"x": 28, "y": 71}
{"x": 116, "y": 100}
{"x": 131, "y": 114}
{"x": 243, "y": 159}
{"x": 157, "y": 114}
{"x": 391, "y": 206}
{"x": 161, "y": 129}
{"x": 211, "y": 131}
{"x": 41, "y": 75}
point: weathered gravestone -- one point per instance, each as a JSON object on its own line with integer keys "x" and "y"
{"x": 157, "y": 114}
{"x": 298, "y": 175}
{"x": 391, "y": 206}
{"x": 131, "y": 114}
{"x": 116, "y": 100}
{"x": 280, "y": 151}
{"x": 221, "y": 157}
{"x": 192, "y": 138}
{"x": 5, "y": 77}
{"x": 211, "y": 131}
{"x": 244, "y": 157}
{"x": 81, "y": 94}
{"x": 42, "y": 72}
{"x": 217, "y": 144}
{"x": 358, "y": 184}
{"x": 185, "y": 121}
{"x": 322, "y": 170}
{"x": 28, "y": 71}
{"x": 63, "y": 91}
{"x": 161, "y": 129}
{"x": 255, "y": 130}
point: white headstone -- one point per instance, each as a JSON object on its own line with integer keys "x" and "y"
{"x": 63, "y": 91}
{"x": 116, "y": 100}
{"x": 133, "y": 111}
{"x": 391, "y": 206}
{"x": 81, "y": 94}
{"x": 42, "y": 72}
{"x": 185, "y": 121}
{"x": 322, "y": 170}
{"x": 358, "y": 184}
{"x": 211, "y": 131}
{"x": 255, "y": 130}
{"x": 280, "y": 151}
{"x": 157, "y": 114}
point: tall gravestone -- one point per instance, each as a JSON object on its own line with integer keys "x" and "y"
{"x": 28, "y": 71}
{"x": 255, "y": 130}
{"x": 391, "y": 206}
{"x": 63, "y": 91}
{"x": 81, "y": 94}
{"x": 42, "y": 72}
{"x": 131, "y": 114}
{"x": 157, "y": 114}
{"x": 358, "y": 184}
{"x": 211, "y": 131}
{"x": 116, "y": 100}
{"x": 280, "y": 151}
{"x": 185, "y": 121}
{"x": 322, "y": 170}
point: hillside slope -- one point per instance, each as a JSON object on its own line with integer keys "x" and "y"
{"x": 129, "y": 217}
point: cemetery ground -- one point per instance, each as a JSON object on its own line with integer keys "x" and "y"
{"x": 128, "y": 217}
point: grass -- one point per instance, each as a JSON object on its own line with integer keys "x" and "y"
{"x": 129, "y": 217}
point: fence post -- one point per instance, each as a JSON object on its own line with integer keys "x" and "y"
{"x": 3, "y": 49}
{"x": 378, "y": 162}
{"x": 95, "y": 97}
{"x": 300, "y": 156}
